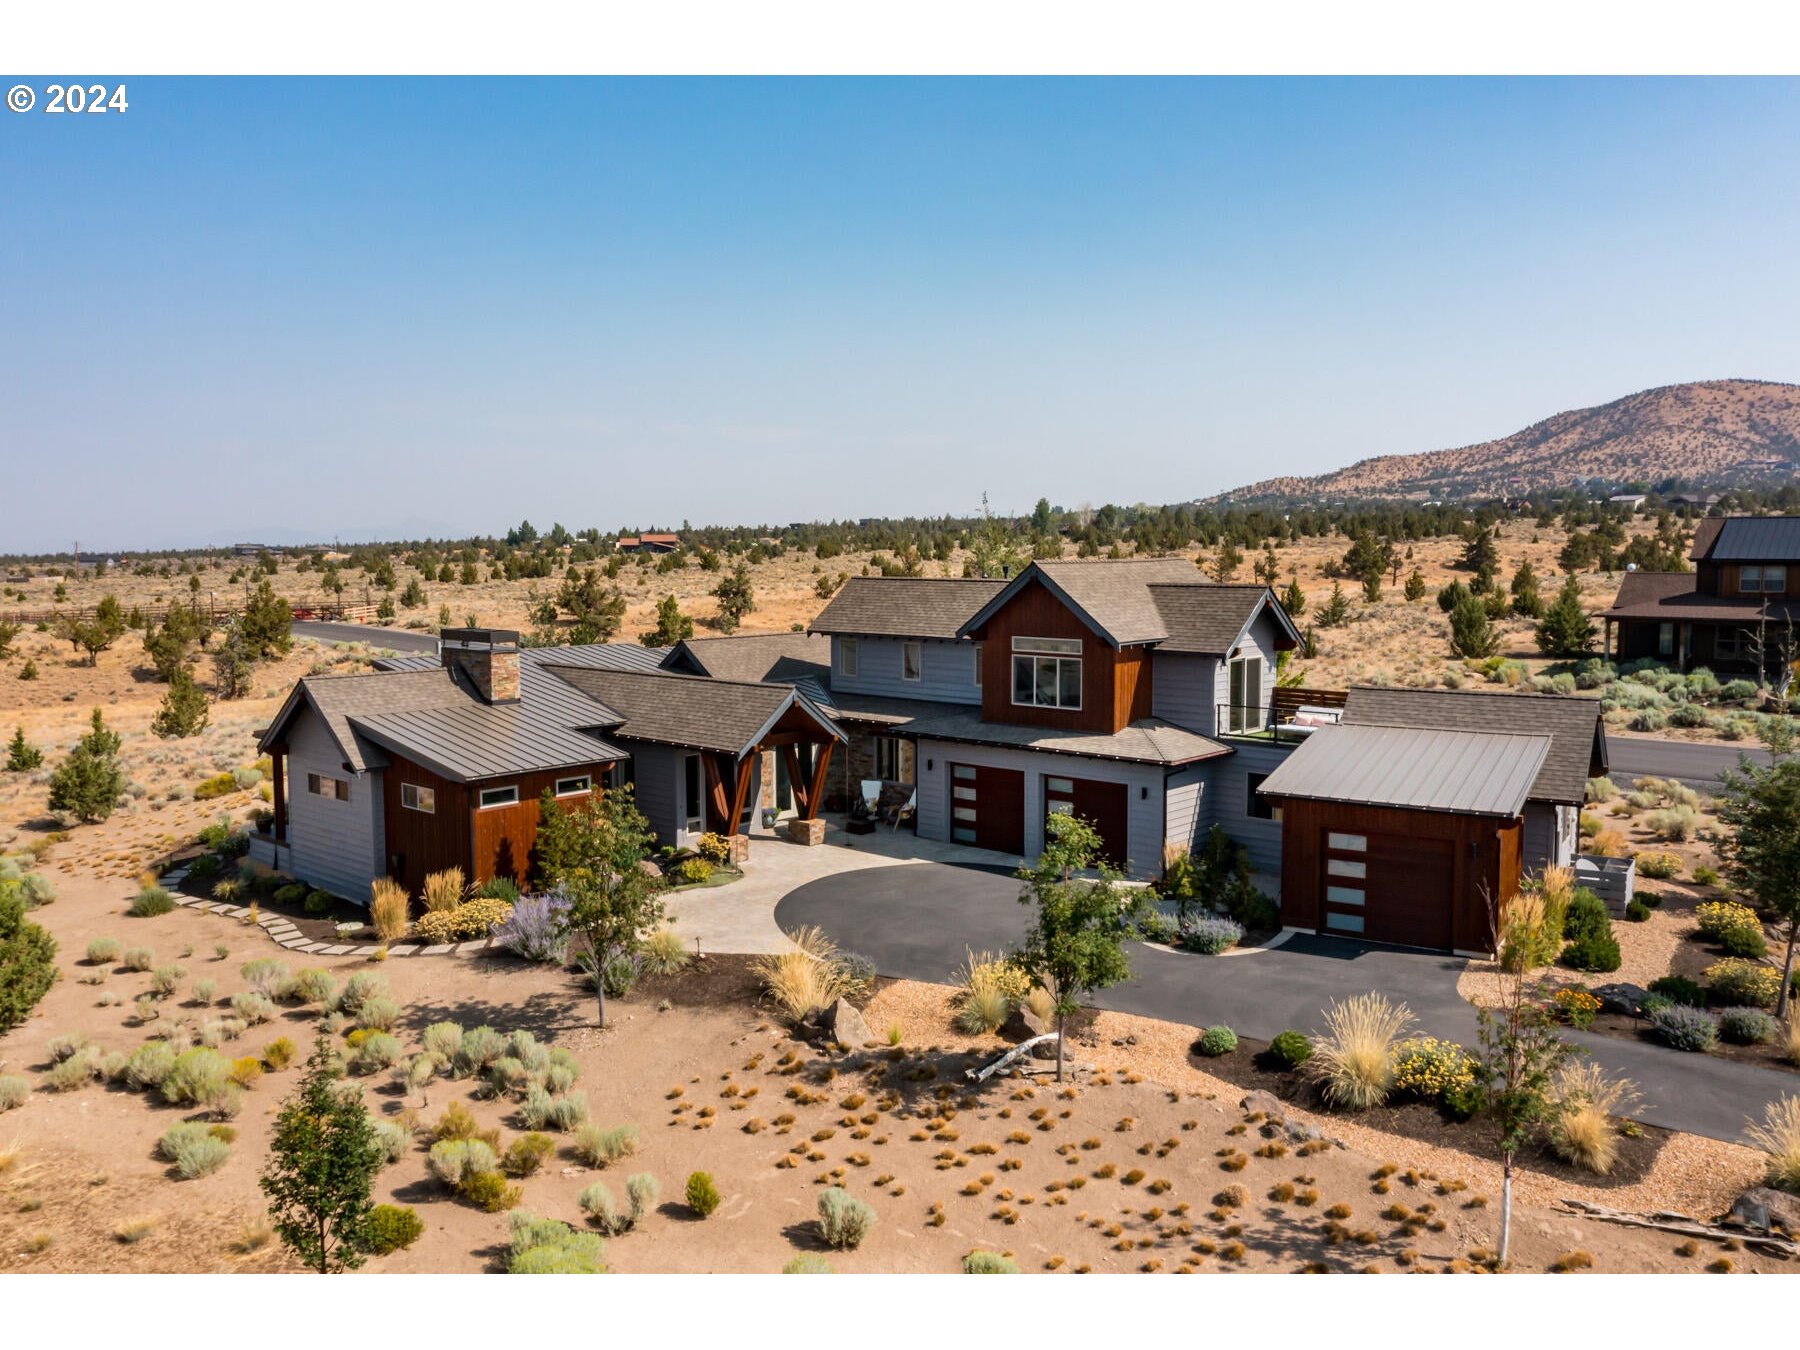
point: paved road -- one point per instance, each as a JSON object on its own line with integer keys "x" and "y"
{"x": 919, "y": 922}
{"x": 398, "y": 639}
{"x": 1691, "y": 762}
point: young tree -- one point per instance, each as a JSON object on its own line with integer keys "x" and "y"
{"x": 1415, "y": 586}
{"x": 1472, "y": 634}
{"x": 1480, "y": 554}
{"x": 1564, "y": 629}
{"x": 265, "y": 627}
{"x": 1371, "y": 585}
{"x": 598, "y": 609}
{"x": 1519, "y": 1051}
{"x": 184, "y": 710}
{"x": 995, "y": 547}
{"x": 87, "y": 784}
{"x": 1368, "y": 557}
{"x": 21, "y": 755}
{"x": 1293, "y": 599}
{"x": 1337, "y": 607}
{"x": 672, "y": 625}
{"x": 413, "y": 596}
{"x": 1761, "y": 851}
{"x": 233, "y": 666}
{"x": 589, "y": 851}
{"x": 1268, "y": 567}
{"x": 323, "y": 1158}
{"x": 1225, "y": 560}
{"x": 1526, "y": 602}
{"x": 9, "y": 632}
{"x": 94, "y": 635}
{"x": 1075, "y": 944}
{"x": 735, "y": 597}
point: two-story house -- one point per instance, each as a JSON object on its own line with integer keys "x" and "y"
{"x": 1100, "y": 688}
{"x": 1743, "y": 593}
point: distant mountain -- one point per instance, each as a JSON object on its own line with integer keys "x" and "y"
{"x": 1711, "y": 431}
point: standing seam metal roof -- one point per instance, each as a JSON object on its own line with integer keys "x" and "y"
{"x": 1479, "y": 773}
{"x": 1757, "y": 538}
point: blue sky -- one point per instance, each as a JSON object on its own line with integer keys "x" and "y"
{"x": 339, "y": 306}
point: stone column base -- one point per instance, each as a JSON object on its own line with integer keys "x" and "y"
{"x": 740, "y": 848}
{"x": 806, "y": 831}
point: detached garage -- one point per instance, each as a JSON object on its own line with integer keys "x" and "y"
{"x": 1403, "y": 834}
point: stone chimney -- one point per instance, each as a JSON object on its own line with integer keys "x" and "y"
{"x": 488, "y": 657}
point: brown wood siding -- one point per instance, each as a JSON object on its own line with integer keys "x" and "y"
{"x": 505, "y": 837}
{"x": 1726, "y": 579}
{"x": 1107, "y": 702}
{"x": 1480, "y": 855}
{"x": 417, "y": 843}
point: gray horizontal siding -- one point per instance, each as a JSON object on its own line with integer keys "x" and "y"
{"x": 1187, "y": 806}
{"x": 1231, "y": 797}
{"x": 658, "y": 774}
{"x": 947, "y": 671}
{"x": 1184, "y": 690}
{"x": 1550, "y": 835}
{"x": 336, "y": 846}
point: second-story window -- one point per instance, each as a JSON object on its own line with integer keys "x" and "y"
{"x": 1047, "y": 672}
{"x": 1767, "y": 577}
{"x": 978, "y": 651}
{"x": 847, "y": 657}
{"x": 912, "y": 661}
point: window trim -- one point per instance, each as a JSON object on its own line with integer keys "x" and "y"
{"x": 978, "y": 655}
{"x": 914, "y": 649}
{"x": 849, "y": 658}
{"x": 587, "y": 785}
{"x": 1060, "y": 659}
{"x": 424, "y": 799}
{"x": 483, "y": 804}
{"x": 316, "y": 784}
{"x": 1763, "y": 574}
{"x": 884, "y": 746}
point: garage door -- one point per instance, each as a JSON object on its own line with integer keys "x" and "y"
{"x": 1103, "y": 805}
{"x": 1388, "y": 888}
{"x": 987, "y": 807}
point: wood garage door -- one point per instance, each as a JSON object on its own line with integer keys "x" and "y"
{"x": 987, "y": 807}
{"x": 1103, "y": 805}
{"x": 1388, "y": 888}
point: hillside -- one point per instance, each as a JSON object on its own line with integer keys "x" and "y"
{"x": 1709, "y": 431}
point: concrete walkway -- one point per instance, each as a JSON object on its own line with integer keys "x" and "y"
{"x": 918, "y": 922}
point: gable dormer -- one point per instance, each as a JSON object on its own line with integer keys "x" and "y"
{"x": 1747, "y": 557}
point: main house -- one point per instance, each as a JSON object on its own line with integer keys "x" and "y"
{"x": 1744, "y": 591}
{"x": 1135, "y": 694}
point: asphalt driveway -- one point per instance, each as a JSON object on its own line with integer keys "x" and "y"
{"x": 918, "y": 921}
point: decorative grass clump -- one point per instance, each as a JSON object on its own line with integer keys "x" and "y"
{"x": 388, "y": 909}
{"x": 443, "y": 890}
{"x": 149, "y": 902}
{"x": 14, "y": 1091}
{"x": 1778, "y": 1135}
{"x": 807, "y": 976}
{"x": 665, "y": 953}
{"x": 1587, "y": 1102}
{"x": 1353, "y": 1058}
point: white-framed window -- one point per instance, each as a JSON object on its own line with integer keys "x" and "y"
{"x": 1246, "y": 712}
{"x": 848, "y": 657}
{"x": 323, "y": 785}
{"x": 978, "y": 651}
{"x": 415, "y": 797}
{"x": 912, "y": 661}
{"x": 498, "y": 796}
{"x": 1757, "y": 578}
{"x": 574, "y": 787}
{"x": 1047, "y": 672}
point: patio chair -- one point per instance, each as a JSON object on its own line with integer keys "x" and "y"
{"x": 902, "y": 810}
{"x": 871, "y": 794}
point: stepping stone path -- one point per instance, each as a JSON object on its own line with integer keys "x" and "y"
{"x": 283, "y": 933}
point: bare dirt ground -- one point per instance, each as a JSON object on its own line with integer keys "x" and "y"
{"x": 1148, "y": 1163}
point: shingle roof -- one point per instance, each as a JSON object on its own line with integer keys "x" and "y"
{"x": 1671, "y": 596}
{"x": 921, "y": 607}
{"x": 1577, "y": 735}
{"x": 1147, "y": 741}
{"x": 1115, "y": 595}
{"x": 689, "y": 710}
{"x": 1479, "y": 773}
{"x": 1756, "y": 538}
{"x": 781, "y": 657}
{"x": 1207, "y": 618}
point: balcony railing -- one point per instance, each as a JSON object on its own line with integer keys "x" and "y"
{"x": 1282, "y": 723}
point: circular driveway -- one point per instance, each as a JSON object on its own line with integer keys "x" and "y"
{"x": 919, "y": 921}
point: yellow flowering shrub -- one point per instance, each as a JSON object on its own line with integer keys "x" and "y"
{"x": 473, "y": 919}
{"x": 1742, "y": 984}
{"x": 1577, "y": 1007}
{"x": 1427, "y": 1068}
{"x": 1719, "y": 917}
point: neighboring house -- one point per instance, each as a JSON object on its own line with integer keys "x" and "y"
{"x": 437, "y": 762}
{"x": 1744, "y": 590}
{"x": 1632, "y": 499}
{"x": 1093, "y": 687}
{"x": 649, "y": 543}
{"x": 1414, "y": 820}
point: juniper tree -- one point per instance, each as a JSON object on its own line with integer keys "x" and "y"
{"x": 1415, "y": 586}
{"x": 266, "y": 625}
{"x": 1565, "y": 629}
{"x": 1472, "y": 634}
{"x": 735, "y": 597}
{"x": 1337, "y": 607}
{"x": 1761, "y": 851}
{"x": 1293, "y": 599}
{"x": 21, "y": 755}
{"x": 184, "y": 710}
{"x": 672, "y": 625}
{"x": 87, "y": 784}
{"x": 323, "y": 1158}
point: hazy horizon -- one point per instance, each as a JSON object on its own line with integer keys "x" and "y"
{"x": 307, "y": 308}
